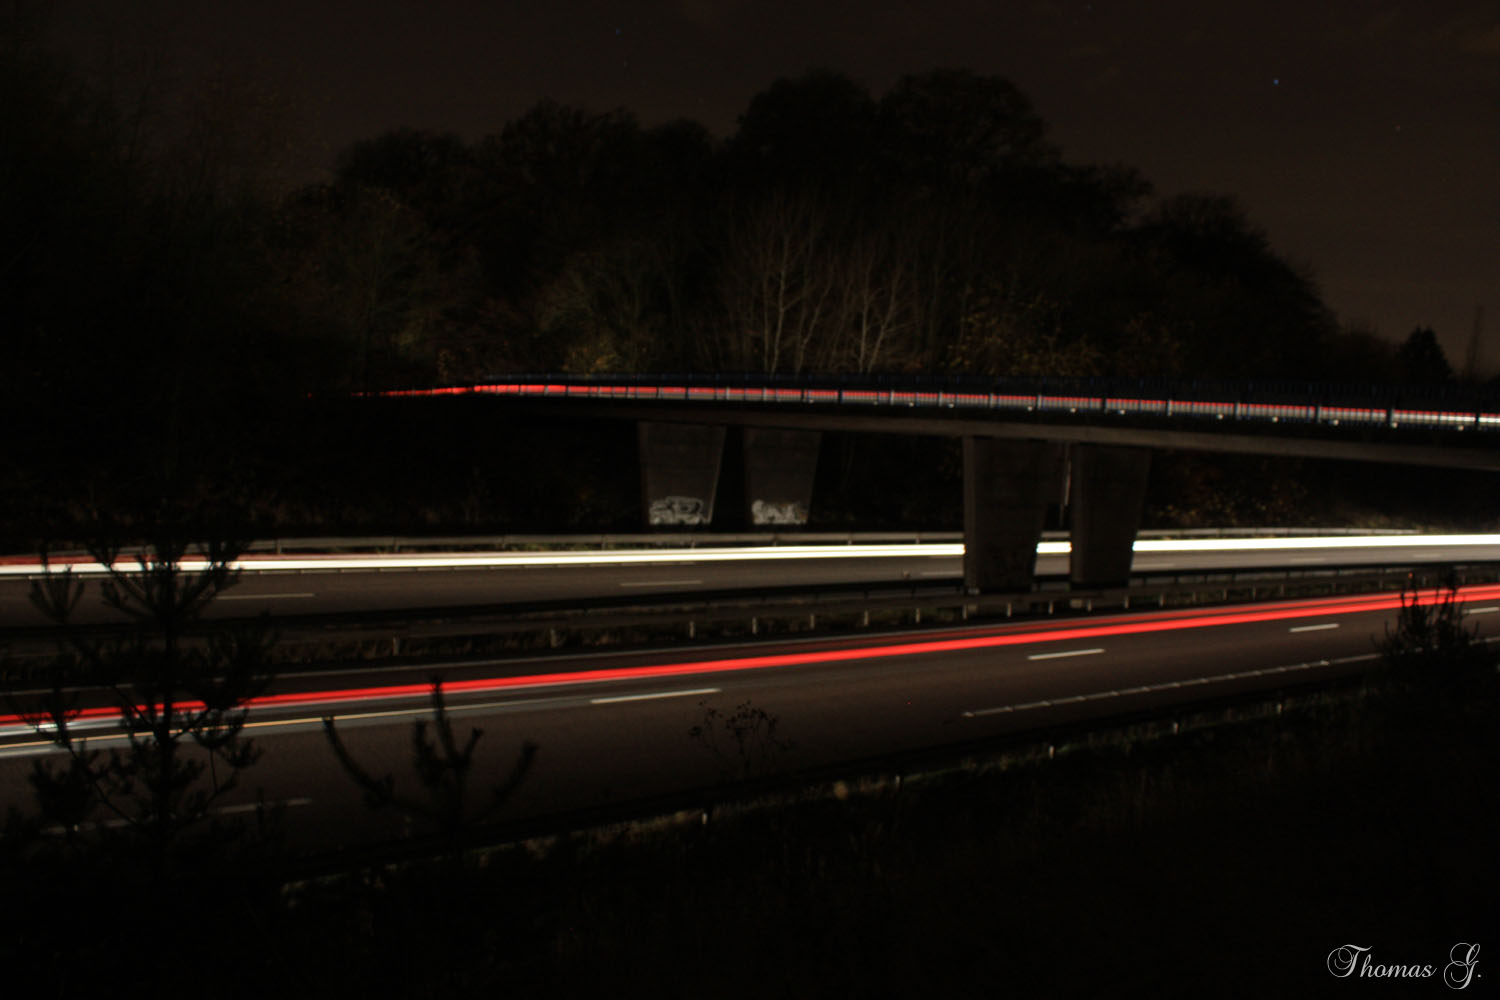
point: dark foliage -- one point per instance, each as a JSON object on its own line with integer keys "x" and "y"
{"x": 1435, "y": 656}
{"x": 1420, "y": 359}
{"x": 180, "y": 699}
{"x": 443, "y": 770}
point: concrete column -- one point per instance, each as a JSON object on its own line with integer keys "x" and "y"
{"x": 1007, "y": 486}
{"x": 1107, "y": 497}
{"x": 679, "y": 472}
{"x": 779, "y": 470}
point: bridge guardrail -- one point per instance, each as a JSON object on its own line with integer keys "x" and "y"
{"x": 1439, "y": 407}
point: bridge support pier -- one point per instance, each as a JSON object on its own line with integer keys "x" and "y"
{"x": 779, "y": 470}
{"x": 1007, "y": 486}
{"x": 679, "y": 472}
{"x": 1108, "y": 493}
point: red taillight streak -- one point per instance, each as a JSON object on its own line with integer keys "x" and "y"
{"x": 1153, "y": 623}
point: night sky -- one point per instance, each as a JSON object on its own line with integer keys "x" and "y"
{"x": 1363, "y": 137}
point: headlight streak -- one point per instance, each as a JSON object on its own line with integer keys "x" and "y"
{"x": 489, "y": 560}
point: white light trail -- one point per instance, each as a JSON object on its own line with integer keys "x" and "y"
{"x": 618, "y": 557}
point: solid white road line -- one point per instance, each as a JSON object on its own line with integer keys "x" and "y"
{"x": 261, "y": 597}
{"x": 252, "y": 806}
{"x": 44, "y": 746}
{"x": 654, "y": 694}
{"x": 662, "y": 583}
{"x": 1070, "y": 652}
{"x": 1314, "y": 628}
{"x": 1166, "y": 686}
{"x": 115, "y": 824}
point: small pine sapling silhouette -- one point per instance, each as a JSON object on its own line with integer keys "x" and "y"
{"x": 444, "y": 771}
{"x": 180, "y": 696}
{"x": 1431, "y": 648}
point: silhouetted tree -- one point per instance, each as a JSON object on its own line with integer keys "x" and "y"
{"x": 1238, "y": 308}
{"x": 1431, "y": 650}
{"x": 180, "y": 695}
{"x": 954, "y": 128}
{"x": 1357, "y": 354}
{"x": 1420, "y": 358}
{"x": 372, "y": 271}
{"x": 425, "y": 171}
{"x": 138, "y": 278}
{"x": 812, "y": 134}
{"x": 443, "y": 770}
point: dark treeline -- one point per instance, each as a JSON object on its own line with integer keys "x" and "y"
{"x": 167, "y": 309}
{"x": 931, "y": 229}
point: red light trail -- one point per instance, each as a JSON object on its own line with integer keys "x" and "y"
{"x": 1130, "y": 624}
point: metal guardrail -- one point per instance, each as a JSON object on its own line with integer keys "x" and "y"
{"x": 753, "y": 610}
{"x": 700, "y": 539}
{"x": 606, "y": 540}
{"x": 691, "y": 540}
{"x": 1431, "y": 407}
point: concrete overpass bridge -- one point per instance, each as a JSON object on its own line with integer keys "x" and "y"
{"x": 1027, "y": 443}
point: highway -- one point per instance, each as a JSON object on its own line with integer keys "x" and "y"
{"x": 354, "y": 583}
{"x": 613, "y": 727}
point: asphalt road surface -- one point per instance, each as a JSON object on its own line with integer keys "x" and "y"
{"x": 614, "y": 727}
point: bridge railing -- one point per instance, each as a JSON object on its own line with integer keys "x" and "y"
{"x": 1439, "y": 407}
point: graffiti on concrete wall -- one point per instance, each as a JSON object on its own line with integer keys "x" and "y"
{"x": 787, "y": 512}
{"x": 678, "y": 510}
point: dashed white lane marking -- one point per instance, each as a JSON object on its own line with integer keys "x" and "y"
{"x": 45, "y": 746}
{"x": 654, "y": 694}
{"x": 1166, "y": 686}
{"x": 1067, "y": 652}
{"x": 252, "y": 806}
{"x": 261, "y": 597}
{"x": 1482, "y": 611}
{"x": 662, "y": 583}
{"x": 1304, "y": 559}
{"x": 1314, "y": 628}
{"x": 114, "y": 824}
